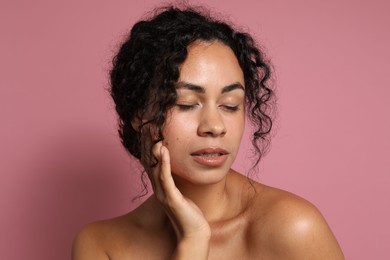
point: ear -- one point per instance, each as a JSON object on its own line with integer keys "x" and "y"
{"x": 136, "y": 123}
{"x": 152, "y": 128}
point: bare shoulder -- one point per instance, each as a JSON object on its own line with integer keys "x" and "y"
{"x": 289, "y": 227}
{"x": 126, "y": 237}
{"x": 97, "y": 240}
{"x": 88, "y": 243}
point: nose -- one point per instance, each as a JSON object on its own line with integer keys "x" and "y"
{"x": 211, "y": 123}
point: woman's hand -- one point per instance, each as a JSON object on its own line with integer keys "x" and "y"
{"x": 191, "y": 228}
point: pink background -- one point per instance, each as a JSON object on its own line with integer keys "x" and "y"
{"x": 61, "y": 162}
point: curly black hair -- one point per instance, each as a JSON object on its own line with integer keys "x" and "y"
{"x": 146, "y": 69}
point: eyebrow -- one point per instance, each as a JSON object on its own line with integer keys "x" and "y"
{"x": 200, "y": 89}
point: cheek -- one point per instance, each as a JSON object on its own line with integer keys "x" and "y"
{"x": 178, "y": 130}
{"x": 174, "y": 138}
{"x": 177, "y": 139}
{"x": 236, "y": 125}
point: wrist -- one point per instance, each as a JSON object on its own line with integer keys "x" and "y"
{"x": 193, "y": 248}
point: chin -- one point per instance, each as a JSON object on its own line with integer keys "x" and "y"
{"x": 201, "y": 177}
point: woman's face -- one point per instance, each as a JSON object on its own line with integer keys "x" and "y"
{"x": 204, "y": 129}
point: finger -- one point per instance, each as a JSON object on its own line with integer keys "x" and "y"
{"x": 166, "y": 179}
{"x": 154, "y": 172}
{"x": 156, "y": 150}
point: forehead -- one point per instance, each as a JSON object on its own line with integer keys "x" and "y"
{"x": 211, "y": 64}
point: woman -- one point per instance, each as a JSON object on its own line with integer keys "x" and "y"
{"x": 183, "y": 84}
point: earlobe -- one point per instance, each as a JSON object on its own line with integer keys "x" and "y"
{"x": 154, "y": 132}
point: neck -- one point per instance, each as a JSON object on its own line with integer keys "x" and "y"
{"x": 212, "y": 199}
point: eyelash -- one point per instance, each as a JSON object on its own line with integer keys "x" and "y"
{"x": 232, "y": 108}
{"x": 185, "y": 107}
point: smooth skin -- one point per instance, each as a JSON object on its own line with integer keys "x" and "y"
{"x": 200, "y": 211}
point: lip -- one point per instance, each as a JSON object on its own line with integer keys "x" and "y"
{"x": 211, "y": 157}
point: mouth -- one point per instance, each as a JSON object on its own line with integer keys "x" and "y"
{"x": 210, "y": 157}
{"x": 212, "y": 152}
{"x": 208, "y": 154}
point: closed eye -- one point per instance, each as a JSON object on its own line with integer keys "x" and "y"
{"x": 185, "y": 107}
{"x": 231, "y": 108}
